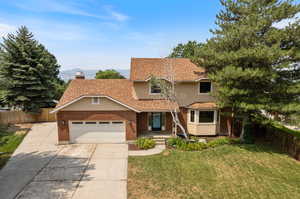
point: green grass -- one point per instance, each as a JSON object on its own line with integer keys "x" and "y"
{"x": 9, "y": 141}
{"x": 228, "y": 171}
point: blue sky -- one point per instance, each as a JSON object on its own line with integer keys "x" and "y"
{"x": 101, "y": 34}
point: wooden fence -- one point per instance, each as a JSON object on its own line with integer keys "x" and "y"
{"x": 14, "y": 117}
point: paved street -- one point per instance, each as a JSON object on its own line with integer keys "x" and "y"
{"x": 39, "y": 169}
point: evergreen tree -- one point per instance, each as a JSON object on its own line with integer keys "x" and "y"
{"x": 253, "y": 63}
{"x": 29, "y": 71}
{"x": 187, "y": 50}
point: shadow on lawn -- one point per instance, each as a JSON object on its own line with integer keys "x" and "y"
{"x": 42, "y": 174}
{"x": 260, "y": 147}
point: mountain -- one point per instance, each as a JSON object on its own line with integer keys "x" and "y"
{"x": 89, "y": 74}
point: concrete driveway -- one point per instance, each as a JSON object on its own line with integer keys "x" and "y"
{"x": 39, "y": 169}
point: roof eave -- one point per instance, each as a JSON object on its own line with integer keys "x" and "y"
{"x": 84, "y": 96}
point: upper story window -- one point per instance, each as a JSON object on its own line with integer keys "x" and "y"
{"x": 155, "y": 89}
{"x": 205, "y": 87}
{"x": 95, "y": 100}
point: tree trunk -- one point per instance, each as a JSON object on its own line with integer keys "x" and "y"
{"x": 228, "y": 122}
{"x": 245, "y": 120}
{"x": 177, "y": 123}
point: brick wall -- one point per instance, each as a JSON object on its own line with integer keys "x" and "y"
{"x": 63, "y": 118}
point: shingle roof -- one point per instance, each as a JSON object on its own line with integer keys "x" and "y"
{"x": 203, "y": 105}
{"x": 143, "y": 68}
{"x": 120, "y": 90}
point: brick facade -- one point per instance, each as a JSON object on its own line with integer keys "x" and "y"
{"x": 63, "y": 118}
{"x": 183, "y": 117}
{"x": 142, "y": 121}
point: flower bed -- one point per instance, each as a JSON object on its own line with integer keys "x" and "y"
{"x": 194, "y": 145}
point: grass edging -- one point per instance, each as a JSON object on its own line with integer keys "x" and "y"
{"x": 9, "y": 141}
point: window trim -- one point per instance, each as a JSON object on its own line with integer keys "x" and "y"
{"x": 215, "y": 117}
{"x": 98, "y": 100}
{"x": 150, "y": 90}
{"x": 211, "y": 87}
{"x": 196, "y": 117}
{"x": 190, "y": 116}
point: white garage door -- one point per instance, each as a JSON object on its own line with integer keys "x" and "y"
{"x": 97, "y": 131}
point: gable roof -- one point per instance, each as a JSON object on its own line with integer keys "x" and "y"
{"x": 117, "y": 90}
{"x": 143, "y": 68}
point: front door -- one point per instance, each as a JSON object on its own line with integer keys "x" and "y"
{"x": 156, "y": 121}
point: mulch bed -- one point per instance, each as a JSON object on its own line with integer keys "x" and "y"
{"x": 133, "y": 147}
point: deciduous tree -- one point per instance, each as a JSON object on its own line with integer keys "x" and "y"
{"x": 109, "y": 74}
{"x": 187, "y": 50}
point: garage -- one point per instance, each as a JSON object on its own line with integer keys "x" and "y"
{"x": 97, "y": 131}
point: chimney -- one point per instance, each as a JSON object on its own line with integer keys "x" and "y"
{"x": 79, "y": 75}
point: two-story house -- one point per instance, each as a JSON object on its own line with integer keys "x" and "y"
{"x": 116, "y": 110}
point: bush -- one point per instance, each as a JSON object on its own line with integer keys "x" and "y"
{"x": 145, "y": 143}
{"x": 219, "y": 141}
{"x": 185, "y": 145}
{"x": 174, "y": 141}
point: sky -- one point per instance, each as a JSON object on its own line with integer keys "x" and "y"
{"x": 103, "y": 34}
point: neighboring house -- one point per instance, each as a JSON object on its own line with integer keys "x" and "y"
{"x": 115, "y": 110}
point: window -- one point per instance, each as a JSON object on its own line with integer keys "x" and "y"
{"x": 90, "y": 122}
{"x": 77, "y": 122}
{"x": 192, "y": 116}
{"x": 155, "y": 89}
{"x": 95, "y": 100}
{"x": 206, "y": 116}
{"x": 205, "y": 87}
{"x": 103, "y": 122}
{"x": 117, "y": 122}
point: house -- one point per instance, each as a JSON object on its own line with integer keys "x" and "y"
{"x": 116, "y": 110}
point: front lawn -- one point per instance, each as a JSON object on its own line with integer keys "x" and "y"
{"x": 228, "y": 171}
{"x": 10, "y": 138}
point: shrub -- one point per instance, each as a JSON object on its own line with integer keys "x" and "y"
{"x": 185, "y": 145}
{"x": 173, "y": 142}
{"x": 219, "y": 141}
{"x": 145, "y": 143}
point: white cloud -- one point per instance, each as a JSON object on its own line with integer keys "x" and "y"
{"x": 118, "y": 16}
{"x": 286, "y": 22}
{"x": 74, "y": 7}
{"x": 5, "y": 29}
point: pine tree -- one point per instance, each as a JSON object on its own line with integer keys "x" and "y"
{"x": 254, "y": 63}
{"x": 29, "y": 71}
